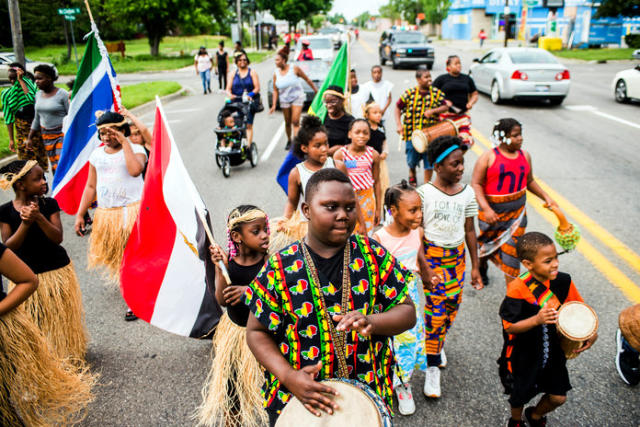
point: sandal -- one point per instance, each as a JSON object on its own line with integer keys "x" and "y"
{"x": 413, "y": 181}
{"x": 130, "y": 316}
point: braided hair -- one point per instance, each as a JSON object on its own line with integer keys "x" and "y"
{"x": 502, "y": 129}
{"x": 394, "y": 193}
{"x": 309, "y": 127}
{"x": 238, "y": 217}
{"x": 442, "y": 144}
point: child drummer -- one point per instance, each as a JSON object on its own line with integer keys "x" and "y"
{"x": 532, "y": 360}
{"x": 304, "y": 327}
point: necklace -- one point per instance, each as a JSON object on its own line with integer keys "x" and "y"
{"x": 339, "y": 338}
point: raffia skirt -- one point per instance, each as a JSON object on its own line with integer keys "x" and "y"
{"x": 231, "y": 394}
{"x": 56, "y": 308}
{"x": 287, "y": 231}
{"x": 110, "y": 232}
{"x": 36, "y": 387}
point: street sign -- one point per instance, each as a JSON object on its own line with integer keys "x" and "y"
{"x": 69, "y": 11}
{"x": 69, "y": 17}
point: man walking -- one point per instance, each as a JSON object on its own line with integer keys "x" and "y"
{"x": 380, "y": 91}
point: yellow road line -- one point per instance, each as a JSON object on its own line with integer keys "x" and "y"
{"x": 608, "y": 239}
{"x": 366, "y": 46}
{"x": 628, "y": 288}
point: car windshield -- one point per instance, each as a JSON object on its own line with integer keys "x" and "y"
{"x": 328, "y": 30}
{"x": 320, "y": 43}
{"x": 533, "y": 56}
{"x": 406, "y": 38}
{"x": 315, "y": 70}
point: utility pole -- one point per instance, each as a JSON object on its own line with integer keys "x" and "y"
{"x": 507, "y": 21}
{"x": 16, "y": 31}
{"x": 239, "y": 18}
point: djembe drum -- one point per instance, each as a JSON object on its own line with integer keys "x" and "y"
{"x": 577, "y": 322}
{"x": 421, "y": 138}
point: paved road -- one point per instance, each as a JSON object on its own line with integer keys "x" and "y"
{"x": 150, "y": 378}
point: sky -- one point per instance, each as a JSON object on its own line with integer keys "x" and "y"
{"x": 352, "y": 8}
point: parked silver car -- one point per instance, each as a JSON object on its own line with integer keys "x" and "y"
{"x": 521, "y": 73}
{"x": 7, "y": 58}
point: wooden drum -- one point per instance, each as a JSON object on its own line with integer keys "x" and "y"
{"x": 577, "y": 322}
{"x": 358, "y": 406}
{"x": 423, "y": 137}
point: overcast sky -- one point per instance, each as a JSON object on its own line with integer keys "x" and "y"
{"x": 352, "y": 8}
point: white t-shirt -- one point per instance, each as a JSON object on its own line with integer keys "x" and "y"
{"x": 114, "y": 186}
{"x": 444, "y": 215}
{"x": 204, "y": 62}
{"x": 380, "y": 92}
{"x": 358, "y": 100}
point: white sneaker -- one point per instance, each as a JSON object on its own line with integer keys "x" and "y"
{"x": 443, "y": 359}
{"x": 406, "y": 405}
{"x": 432, "y": 382}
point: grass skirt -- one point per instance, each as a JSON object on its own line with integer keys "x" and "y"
{"x": 38, "y": 389}
{"x": 56, "y": 308}
{"x": 233, "y": 364}
{"x": 383, "y": 177}
{"x": 109, "y": 234}
{"x": 287, "y": 231}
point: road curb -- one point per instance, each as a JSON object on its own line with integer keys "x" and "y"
{"x": 138, "y": 111}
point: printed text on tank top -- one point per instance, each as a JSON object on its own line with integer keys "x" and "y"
{"x": 505, "y": 175}
{"x": 360, "y": 168}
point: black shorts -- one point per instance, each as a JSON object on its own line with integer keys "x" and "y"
{"x": 552, "y": 380}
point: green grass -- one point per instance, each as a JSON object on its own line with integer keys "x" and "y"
{"x": 596, "y": 54}
{"x": 175, "y": 52}
{"x": 4, "y": 140}
{"x": 140, "y": 93}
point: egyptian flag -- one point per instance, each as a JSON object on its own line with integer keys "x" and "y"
{"x": 167, "y": 277}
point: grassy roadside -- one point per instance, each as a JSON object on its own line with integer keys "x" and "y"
{"x": 132, "y": 96}
{"x": 596, "y": 54}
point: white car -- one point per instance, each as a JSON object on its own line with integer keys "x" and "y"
{"x": 521, "y": 73}
{"x": 626, "y": 84}
{"x": 7, "y": 58}
{"x": 321, "y": 47}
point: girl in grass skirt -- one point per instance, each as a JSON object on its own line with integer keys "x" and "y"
{"x": 30, "y": 225}
{"x": 115, "y": 179}
{"x": 36, "y": 387}
{"x": 231, "y": 395}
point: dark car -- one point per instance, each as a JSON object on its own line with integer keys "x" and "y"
{"x": 405, "y": 48}
{"x": 316, "y": 71}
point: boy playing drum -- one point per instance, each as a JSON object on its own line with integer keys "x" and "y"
{"x": 532, "y": 359}
{"x": 326, "y": 306}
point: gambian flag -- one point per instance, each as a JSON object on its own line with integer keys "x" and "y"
{"x": 167, "y": 277}
{"x": 338, "y": 76}
{"x": 95, "y": 89}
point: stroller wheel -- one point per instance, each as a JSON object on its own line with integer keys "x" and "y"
{"x": 226, "y": 166}
{"x": 218, "y": 161}
{"x": 253, "y": 154}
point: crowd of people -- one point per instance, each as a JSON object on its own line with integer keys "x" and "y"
{"x": 339, "y": 296}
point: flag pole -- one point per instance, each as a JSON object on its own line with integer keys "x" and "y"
{"x": 347, "y": 83}
{"x": 201, "y": 217}
{"x": 86, "y": 3}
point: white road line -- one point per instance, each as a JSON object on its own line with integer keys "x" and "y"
{"x": 273, "y": 143}
{"x": 594, "y": 110}
{"x": 185, "y": 110}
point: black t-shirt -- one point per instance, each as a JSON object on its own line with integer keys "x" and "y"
{"x": 2, "y": 293}
{"x": 37, "y": 251}
{"x": 377, "y": 139}
{"x": 456, "y": 89}
{"x": 221, "y": 59}
{"x": 329, "y": 271}
{"x": 241, "y": 275}
{"x": 338, "y": 129}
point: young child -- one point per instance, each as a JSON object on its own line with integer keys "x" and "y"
{"x": 378, "y": 141}
{"x": 325, "y": 306}
{"x": 230, "y": 138}
{"x": 403, "y": 239}
{"x": 363, "y": 165}
{"x": 532, "y": 360}
{"x": 448, "y": 210}
{"x": 115, "y": 178}
{"x": 36, "y": 387}
{"x": 501, "y": 178}
{"x": 231, "y": 394}
{"x": 30, "y": 225}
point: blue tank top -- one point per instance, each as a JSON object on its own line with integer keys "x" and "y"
{"x": 240, "y": 84}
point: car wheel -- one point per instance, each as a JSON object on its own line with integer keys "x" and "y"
{"x": 253, "y": 154}
{"x": 495, "y": 93}
{"x": 226, "y": 166}
{"x": 382, "y": 60}
{"x": 394, "y": 64}
{"x": 621, "y": 92}
{"x": 556, "y": 100}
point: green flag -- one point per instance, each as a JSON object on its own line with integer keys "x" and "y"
{"x": 338, "y": 75}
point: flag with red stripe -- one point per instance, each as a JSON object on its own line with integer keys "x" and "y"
{"x": 167, "y": 277}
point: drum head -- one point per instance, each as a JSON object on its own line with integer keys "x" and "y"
{"x": 419, "y": 141}
{"x": 577, "y": 321}
{"x": 357, "y": 408}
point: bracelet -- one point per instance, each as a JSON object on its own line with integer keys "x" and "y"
{"x": 251, "y": 94}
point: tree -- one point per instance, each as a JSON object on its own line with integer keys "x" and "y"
{"x": 317, "y": 21}
{"x": 338, "y": 18}
{"x": 435, "y": 11}
{"x": 614, "y": 8}
{"x": 389, "y": 11}
{"x": 362, "y": 19}
{"x": 294, "y": 11}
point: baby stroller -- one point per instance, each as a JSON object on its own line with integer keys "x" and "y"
{"x": 241, "y": 149}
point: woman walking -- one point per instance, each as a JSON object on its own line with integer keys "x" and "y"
{"x": 222, "y": 65}
{"x": 337, "y": 120}
{"x": 245, "y": 83}
{"x": 204, "y": 64}
{"x": 288, "y": 90}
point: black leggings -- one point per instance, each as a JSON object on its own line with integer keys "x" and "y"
{"x": 222, "y": 78}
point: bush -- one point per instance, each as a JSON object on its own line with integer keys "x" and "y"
{"x": 633, "y": 40}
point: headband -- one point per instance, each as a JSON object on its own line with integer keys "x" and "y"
{"x": 104, "y": 125}
{"x": 333, "y": 92}
{"x": 9, "y": 178}
{"x": 446, "y": 152}
{"x": 235, "y": 219}
{"x": 366, "y": 107}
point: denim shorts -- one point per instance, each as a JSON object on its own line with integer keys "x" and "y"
{"x": 413, "y": 157}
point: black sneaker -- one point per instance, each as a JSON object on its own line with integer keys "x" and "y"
{"x": 287, "y": 146}
{"x": 542, "y": 422}
{"x": 627, "y": 361}
{"x": 130, "y": 316}
{"x": 484, "y": 269}
{"x": 514, "y": 423}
